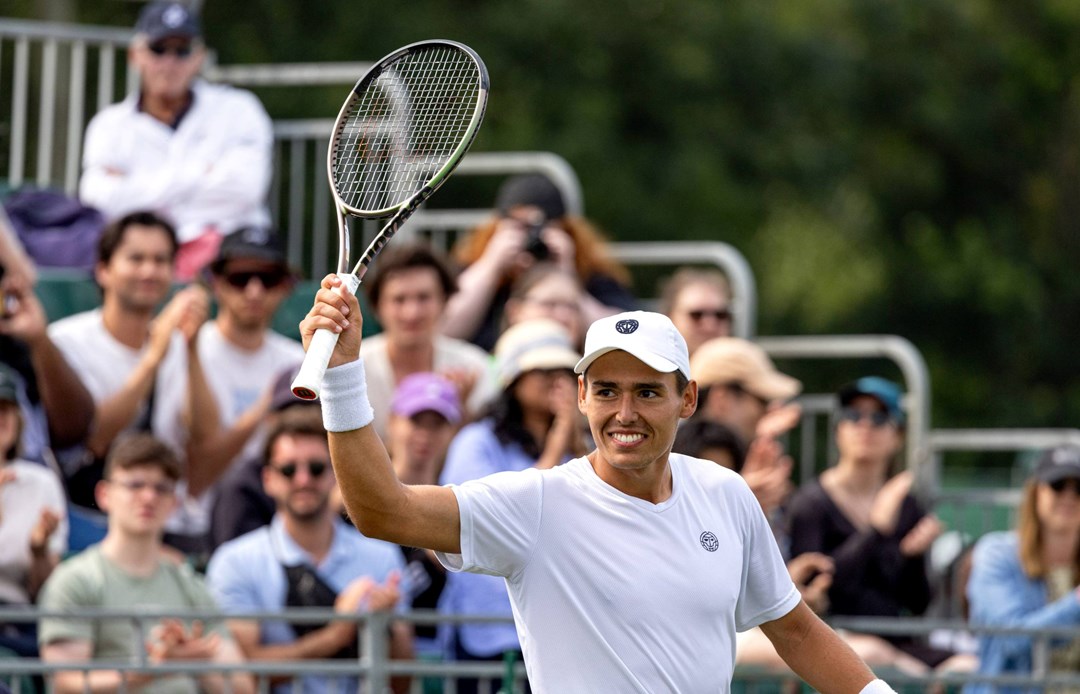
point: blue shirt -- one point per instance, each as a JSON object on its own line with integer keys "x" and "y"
{"x": 246, "y": 575}
{"x": 1001, "y": 594}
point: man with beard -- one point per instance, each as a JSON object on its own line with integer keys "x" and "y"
{"x": 306, "y": 557}
{"x": 140, "y": 365}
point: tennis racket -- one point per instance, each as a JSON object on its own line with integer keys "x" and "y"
{"x": 404, "y": 128}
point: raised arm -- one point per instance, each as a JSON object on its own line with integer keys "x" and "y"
{"x": 69, "y": 407}
{"x": 378, "y": 503}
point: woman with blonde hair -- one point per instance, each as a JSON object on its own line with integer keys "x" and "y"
{"x": 531, "y": 226}
{"x": 1028, "y": 577}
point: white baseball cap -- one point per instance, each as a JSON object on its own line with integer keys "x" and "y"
{"x": 651, "y": 337}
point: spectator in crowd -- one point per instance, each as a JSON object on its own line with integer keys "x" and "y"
{"x": 698, "y": 302}
{"x": 548, "y": 291}
{"x": 1028, "y": 577}
{"x": 239, "y": 351}
{"x": 306, "y": 557}
{"x": 198, "y": 154}
{"x": 408, "y": 289}
{"x": 867, "y": 520}
{"x": 241, "y": 503}
{"x": 142, "y": 369}
{"x": 424, "y": 415}
{"x": 535, "y": 423}
{"x": 57, "y": 409}
{"x": 33, "y": 521}
{"x": 126, "y": 569}
{"x": 531, "y": 225}
{"x": 741, "y": 389}
{"x": 709, "y": 440}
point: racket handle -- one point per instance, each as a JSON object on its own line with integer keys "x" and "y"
{"x": 308, "y": 382}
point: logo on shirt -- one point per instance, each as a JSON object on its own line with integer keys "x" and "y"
{"x": 626, "y": 326}
{"x": 709, "y": 541}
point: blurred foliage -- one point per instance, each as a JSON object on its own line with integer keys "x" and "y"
{"x": 906, "y": 167}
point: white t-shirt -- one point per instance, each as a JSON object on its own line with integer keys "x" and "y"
{"x": 104, "y": 364}
{"x": 213, "y": 170}
{"x": 613, "y": 593}
{"x": 238, "y": 377}
{"x": 34, "y": 488}
{"x": 450, "y": 354}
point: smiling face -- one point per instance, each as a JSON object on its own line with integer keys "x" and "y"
{"x": 633, "y": 412}
{"x": 139, "y": 272}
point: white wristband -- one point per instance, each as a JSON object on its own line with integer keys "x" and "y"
{"x": 344, "y": 397}
{"x": 877, "y": 687}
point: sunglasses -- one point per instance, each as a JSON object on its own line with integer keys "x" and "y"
{"x": 315, "y": 469}
{"x": 1068, "y": 483}
{"x": 162, "y": 49}
{"x": 719, "y": 314}
{"x": 877, "y": 418}
{"x": 269, "y": 279}
{"x": 136, "y": 486}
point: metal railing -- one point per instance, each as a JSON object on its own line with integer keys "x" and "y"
{"x": 375, "y": 669}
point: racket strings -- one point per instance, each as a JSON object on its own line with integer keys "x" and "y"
{"x": 404, "y": 127}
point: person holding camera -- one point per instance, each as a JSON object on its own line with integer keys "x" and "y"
{"x": 531, "y": 225}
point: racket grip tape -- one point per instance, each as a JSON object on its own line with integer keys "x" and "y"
{"x": 308, "y": 381}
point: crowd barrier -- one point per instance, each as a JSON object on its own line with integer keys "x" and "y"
{"x": 375, "y": 669}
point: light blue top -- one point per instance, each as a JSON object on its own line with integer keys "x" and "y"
{"x": 246, "y": 575}
{"x": 1001, "y": 594}
{"x": 474, "y": 453}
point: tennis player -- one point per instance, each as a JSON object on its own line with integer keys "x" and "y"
{"x": 629, "y": 569}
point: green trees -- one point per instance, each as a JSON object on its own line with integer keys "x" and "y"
{"x": 888, "y": 166}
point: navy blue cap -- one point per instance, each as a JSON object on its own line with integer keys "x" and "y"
{"x": 250, "y": 243}
{"x": 881, "y": 389}
{"x": 160, "y": 20}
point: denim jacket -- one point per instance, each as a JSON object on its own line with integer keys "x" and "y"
{"x": 1001, "y": 594}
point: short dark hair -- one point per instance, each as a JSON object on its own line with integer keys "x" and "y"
{"x": 113, "y": 235}
{"x": 407, "y": 256}
{"x": 698, "y": 434}
{"x": 139, "y": 449}
{"x": 294, "y": 421}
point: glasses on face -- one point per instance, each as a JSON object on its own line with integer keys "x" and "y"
{"x": 719, "y": 314}
{"x": 1068, "y": 483}
{"x": 269, "y": 279}
{"x": 315, "y": 469}
{"x": 136, "y": 486}
{"x": 182, "y": 50}
{"x": 877, "y": 418}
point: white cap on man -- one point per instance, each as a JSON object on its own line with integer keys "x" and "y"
{"x": 651, "y": 337}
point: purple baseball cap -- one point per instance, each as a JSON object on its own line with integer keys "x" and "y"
{"x": 421, "y": 392}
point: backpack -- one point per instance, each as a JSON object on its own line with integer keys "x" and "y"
{"x": 56, "y": 229}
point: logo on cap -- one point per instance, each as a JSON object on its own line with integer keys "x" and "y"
{"x": 174, "y": 16}
{"x": 257, "y": 236}
{"x": 626, "y": 326}
{"x": 709, "y": 541}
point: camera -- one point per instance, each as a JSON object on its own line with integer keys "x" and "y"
{"x": 534, "y": 244}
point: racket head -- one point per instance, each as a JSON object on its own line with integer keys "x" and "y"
{"x": 405, "y": 126}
